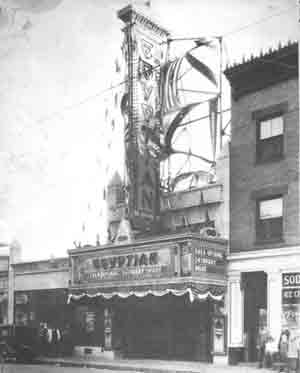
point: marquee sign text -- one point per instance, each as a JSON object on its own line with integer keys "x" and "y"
{"x": 209, "y": 260}
{"x": 124, "y": 267}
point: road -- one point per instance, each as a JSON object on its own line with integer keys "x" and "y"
{"x": 19, "y": 368}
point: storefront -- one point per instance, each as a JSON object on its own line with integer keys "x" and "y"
{"x": 40, "y": 292}
{"x": 41, "y": 306}
{"x": 264, "y": 291}
{"x": 159, "y": 298}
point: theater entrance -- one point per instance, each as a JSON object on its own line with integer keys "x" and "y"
{"x": 167, "y": 327}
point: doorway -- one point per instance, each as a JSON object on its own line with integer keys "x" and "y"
{"x": 164, "y": 328}
{"x": 255, "y": 310}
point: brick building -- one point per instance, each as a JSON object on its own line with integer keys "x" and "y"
{"x": 264, "y": 260}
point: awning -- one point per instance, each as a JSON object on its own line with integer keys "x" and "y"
{"x": 194, "y": 292}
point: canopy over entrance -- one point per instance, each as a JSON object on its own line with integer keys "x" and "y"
{"x": 194, "y": 292}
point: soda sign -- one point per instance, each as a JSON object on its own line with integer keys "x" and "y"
{"x": 291, "y": 299}
{"x": 291, "y": 279}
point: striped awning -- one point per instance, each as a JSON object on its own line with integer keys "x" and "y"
{"x": 193, "y": 291}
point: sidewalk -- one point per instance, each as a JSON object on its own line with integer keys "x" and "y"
{"x": 148, "y": 365}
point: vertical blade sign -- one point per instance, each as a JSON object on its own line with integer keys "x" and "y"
{"x": 144, "y": 51}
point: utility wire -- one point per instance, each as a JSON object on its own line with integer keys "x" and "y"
{"x": 100, "y": 93}
{"x": 261, "y": 20}
{"x": 82, "y": 102}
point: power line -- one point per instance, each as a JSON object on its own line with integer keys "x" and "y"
{"x": 261, "y": 20}
{"x": 100, "y": 93}
{"x": 82, "y": 102}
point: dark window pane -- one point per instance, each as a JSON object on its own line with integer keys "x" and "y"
{"x": 269, "y": 229}
{"x": 269, "y": 149}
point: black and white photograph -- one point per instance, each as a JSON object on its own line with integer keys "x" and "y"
{"x": 149, "y": 186}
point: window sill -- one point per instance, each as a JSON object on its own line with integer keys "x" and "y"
{"x": 269, "y": 161}
{"x": 270, "y": 241}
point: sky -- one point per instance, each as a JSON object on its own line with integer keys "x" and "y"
{"x": 56, "y": 60}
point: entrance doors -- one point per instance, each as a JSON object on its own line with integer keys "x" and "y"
{"x": 168, "y": 328}
{"x": 255, "y": 309}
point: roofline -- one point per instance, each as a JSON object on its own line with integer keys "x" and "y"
{"x": 254, "y": 60}
{"x": 143, "y": 241}
{"x": 66, "y": 258}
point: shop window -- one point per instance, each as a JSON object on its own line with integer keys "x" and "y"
{"x": 270, "y": 139}
{"x": 269, "y": 219}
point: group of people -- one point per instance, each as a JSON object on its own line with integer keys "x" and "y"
{"x": 286, "y": 350}
{"x": 54, "y": 341}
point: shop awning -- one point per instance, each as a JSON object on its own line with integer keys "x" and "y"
{"x": 194, "y": 292}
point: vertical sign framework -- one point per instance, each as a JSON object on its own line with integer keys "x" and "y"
{"x": 144, "y": 50}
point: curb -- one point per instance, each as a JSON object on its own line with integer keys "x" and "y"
{"x": 111, "y": 367}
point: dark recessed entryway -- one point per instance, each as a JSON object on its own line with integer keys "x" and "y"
{"x": 255, "y": 309}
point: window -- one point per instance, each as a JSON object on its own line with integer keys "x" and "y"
{"x": 270, "y": 139}
{"x": 269, "y": 219}
{"x": 120, "y": 195}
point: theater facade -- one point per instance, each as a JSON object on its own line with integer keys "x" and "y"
{"x": 157, "y": 288}
{"x": 162, "y": 297}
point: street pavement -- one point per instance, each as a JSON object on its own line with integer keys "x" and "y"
{"x": 20, "y": 368}
{"x": 151, "y": 365}
{"x": 148, "y": 367}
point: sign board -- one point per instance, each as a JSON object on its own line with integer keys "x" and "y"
{"x": 144, "y": 51}
{"x": 209, "y": 259}
{"x": 122, "y": 267}
{"x": 291, "y": 300}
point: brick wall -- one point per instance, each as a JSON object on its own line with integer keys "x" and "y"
{"x": 247, "y": 177}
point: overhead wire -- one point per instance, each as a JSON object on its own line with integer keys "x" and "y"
{"x": 100, "y": 93}
{"x": 261, "y": 20}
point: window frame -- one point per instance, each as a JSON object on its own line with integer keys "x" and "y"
{"x": 260, "y": 143}
{"x": 259, "y": 234}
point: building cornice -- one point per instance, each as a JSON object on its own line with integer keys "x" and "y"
{"x": 129, "y": 16}
{"x": 264, "y": 253}
{"x": 174, "y": 238}
{"x": 38, "y": 272}
{"x": 263, "y": 71}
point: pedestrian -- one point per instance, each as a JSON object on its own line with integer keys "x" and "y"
{"x": 49, "y": 341}
{"x": 262, "y": 338}
{"x": 293, "y": 349}
{"x": 283, "y": 347}
{"x": 270, "y": 351}
{"x": 43, "y": 333}
{"x": 56, "y": 337}
{"x": 66, "y": 340}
